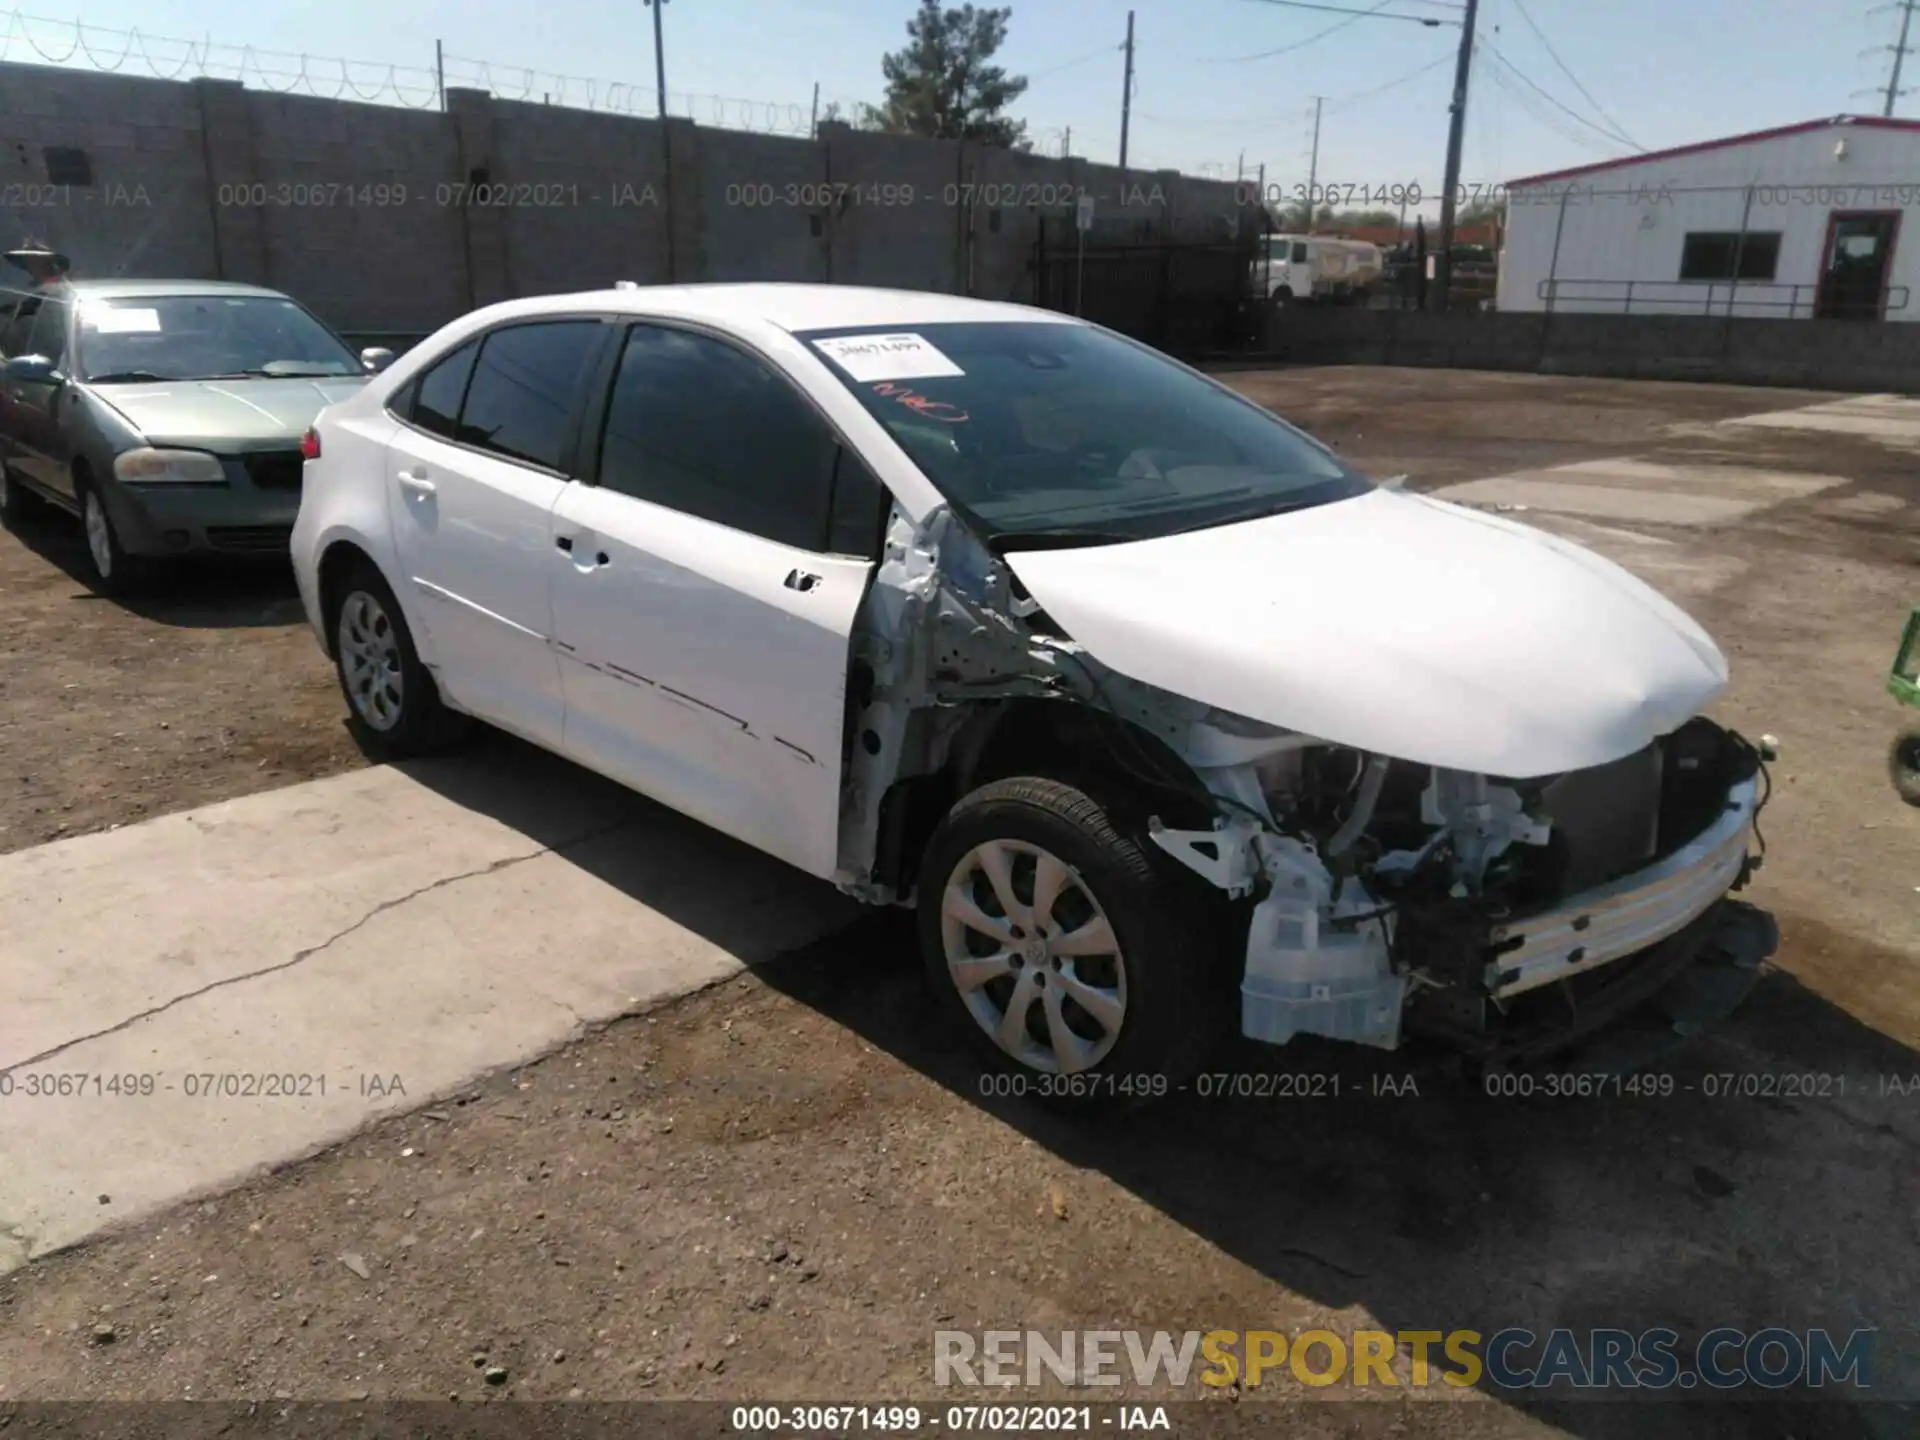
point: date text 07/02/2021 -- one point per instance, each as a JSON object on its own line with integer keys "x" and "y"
{"x": 24, "y": 1084}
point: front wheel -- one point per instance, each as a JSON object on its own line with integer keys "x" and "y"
{"x": 113, "y": 570}
{"x": 1904, "y": 765}
{"x": 1064, "y": 952}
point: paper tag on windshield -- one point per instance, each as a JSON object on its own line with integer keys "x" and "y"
{"x": 126, "y": 322}
{"x": 903, "y": 356}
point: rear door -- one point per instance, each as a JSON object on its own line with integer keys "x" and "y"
{"x": 473, "y": 476}
{"x": 705, "y": 593}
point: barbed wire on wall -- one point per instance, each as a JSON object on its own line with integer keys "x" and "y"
{"x": 75, "y": 44}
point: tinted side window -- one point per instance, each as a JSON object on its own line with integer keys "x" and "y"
{"x": 703, "y": 428}
{"x": 438, "y": 392}
{"x": 50, "y": 331}
{"x": 521, "y": 398}
{"x": 860, "y": 506}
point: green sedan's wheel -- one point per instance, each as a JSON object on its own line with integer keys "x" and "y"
{"x": 1904, "y": 765}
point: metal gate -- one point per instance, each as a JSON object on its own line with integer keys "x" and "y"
{"x": 1186, "y": 299}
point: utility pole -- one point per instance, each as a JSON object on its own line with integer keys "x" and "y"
{"x": 1313, "y": 169}
{"x": 1456, "y": 137}
{"x": 813, "y": 122}
{"x": 1899, "y": 54}
{"x": 1126, "y": 95}
{"x": 666, "y": 133}
{"x": 659, "y": 54}
{"x": 440, "y": 72}
{"x": 1066, "y": 143}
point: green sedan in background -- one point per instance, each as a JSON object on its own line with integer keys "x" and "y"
{"x": 166, "y": 414}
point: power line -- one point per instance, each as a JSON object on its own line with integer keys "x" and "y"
{"x": 1349, "y": 100}
{"x": 1378, "y": 11}
{"x": 1521, "y": 76}
{"x": 1546, "y": 117}
{"x": 1597, "y": 107}
{"x": 1334, "y": 29}
{"x": 1069, "y": 64}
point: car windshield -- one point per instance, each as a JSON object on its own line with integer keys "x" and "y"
{"x": 200, "y": 337}
{"x": 1044, "y": 433}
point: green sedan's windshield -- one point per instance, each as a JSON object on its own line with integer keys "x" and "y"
{"x": 202, "y": 337}
{"x": 1047, "y": 433}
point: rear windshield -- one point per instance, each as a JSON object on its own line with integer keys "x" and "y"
{"x": 1044, "y": 430}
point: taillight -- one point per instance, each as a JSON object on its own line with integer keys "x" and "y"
{"x": 310, "y": 444}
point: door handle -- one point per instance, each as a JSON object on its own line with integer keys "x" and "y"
{"x": 801, "y": 580}
{"x": 564, "y": 544}
{"x": 416, "y": 481}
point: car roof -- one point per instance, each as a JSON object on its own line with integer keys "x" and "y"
{"x": 118, "y": 289}
{"x": 790, "y": 307}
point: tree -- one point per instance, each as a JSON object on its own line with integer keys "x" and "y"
{"x": 944, "y": 84}
{"x": 1482, "y": 212}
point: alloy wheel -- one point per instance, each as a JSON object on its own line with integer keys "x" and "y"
{"x": 370, "y": 660}
{"x": 1033, "y": 956}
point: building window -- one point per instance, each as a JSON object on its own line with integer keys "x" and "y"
{"x": 1714, "y": 254}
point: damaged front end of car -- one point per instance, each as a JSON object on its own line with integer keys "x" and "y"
{"x": 1506, "y": 917}
{"x": 1381, "y": 897}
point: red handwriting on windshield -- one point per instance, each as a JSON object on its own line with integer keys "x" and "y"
{"x": 920, "y": 404}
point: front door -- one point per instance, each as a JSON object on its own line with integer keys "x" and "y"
{"x": 473, "y": 478}
{"x": 703, "y": 603}
{"x": 1859, "y": 258}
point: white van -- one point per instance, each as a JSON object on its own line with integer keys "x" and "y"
{"x": 1298, "y": 268}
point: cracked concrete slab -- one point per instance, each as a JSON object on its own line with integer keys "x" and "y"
{"x": 1889, "y": 420}
{"x": 192, "y": 999}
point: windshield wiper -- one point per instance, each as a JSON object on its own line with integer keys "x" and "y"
{"x": 113, "y": 376}
{"x": 272, "y": 374}
{"x": 1007, "y": 540}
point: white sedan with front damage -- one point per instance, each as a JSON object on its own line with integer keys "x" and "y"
{"x": 1149, "y": 703}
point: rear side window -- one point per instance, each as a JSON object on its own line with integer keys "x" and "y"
{"x": 519, "y": 403}
{"x": 1299, "y": 253}
{"x": 706, "y": 429}
{"x": 438, "y": 393}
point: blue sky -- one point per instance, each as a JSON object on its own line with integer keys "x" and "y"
{"x": 1665, "y": 71}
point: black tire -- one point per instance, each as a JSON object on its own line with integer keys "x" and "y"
{"x": 1165, "y": 959}
{"x": 372, "y": 650}
{"x": 110, "y": 569}
{"x": 1903, "y": 764}
{"x": 18, "y": 505}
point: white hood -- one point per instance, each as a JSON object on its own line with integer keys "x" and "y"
{"x": 1396, "y": 624}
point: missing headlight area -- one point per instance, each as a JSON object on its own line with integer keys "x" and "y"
{"x": 1388, "y": 895}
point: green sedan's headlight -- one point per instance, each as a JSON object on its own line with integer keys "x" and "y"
{"x": 147, "y": 466}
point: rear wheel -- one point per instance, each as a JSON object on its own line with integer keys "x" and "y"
{"x": 391, "y": 693}
{"x": 1061, "y": 949}
{"x": 1904, "y": 765}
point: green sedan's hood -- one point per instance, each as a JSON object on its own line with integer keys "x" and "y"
{"x": 226, "y": 414}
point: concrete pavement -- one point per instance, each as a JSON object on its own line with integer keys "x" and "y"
{"x": 188, "y": 1000}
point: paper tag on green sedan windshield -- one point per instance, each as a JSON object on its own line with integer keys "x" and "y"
{"x": 118, "y": 321}
{"x": 901, "y": 356}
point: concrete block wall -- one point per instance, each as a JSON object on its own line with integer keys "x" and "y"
{"x": 148, "y": 210}
{"x": 387, "y": 220}
{"x": 1871, "y": 357}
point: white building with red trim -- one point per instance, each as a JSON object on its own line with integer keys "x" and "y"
{"x": 1809, "y": 220}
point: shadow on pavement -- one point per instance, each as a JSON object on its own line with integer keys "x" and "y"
{"x": 1776, "y": 1183}
{"x": 202, "y": 593}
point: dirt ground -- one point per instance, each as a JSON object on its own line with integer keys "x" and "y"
{"x": 780, "y": 1188}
